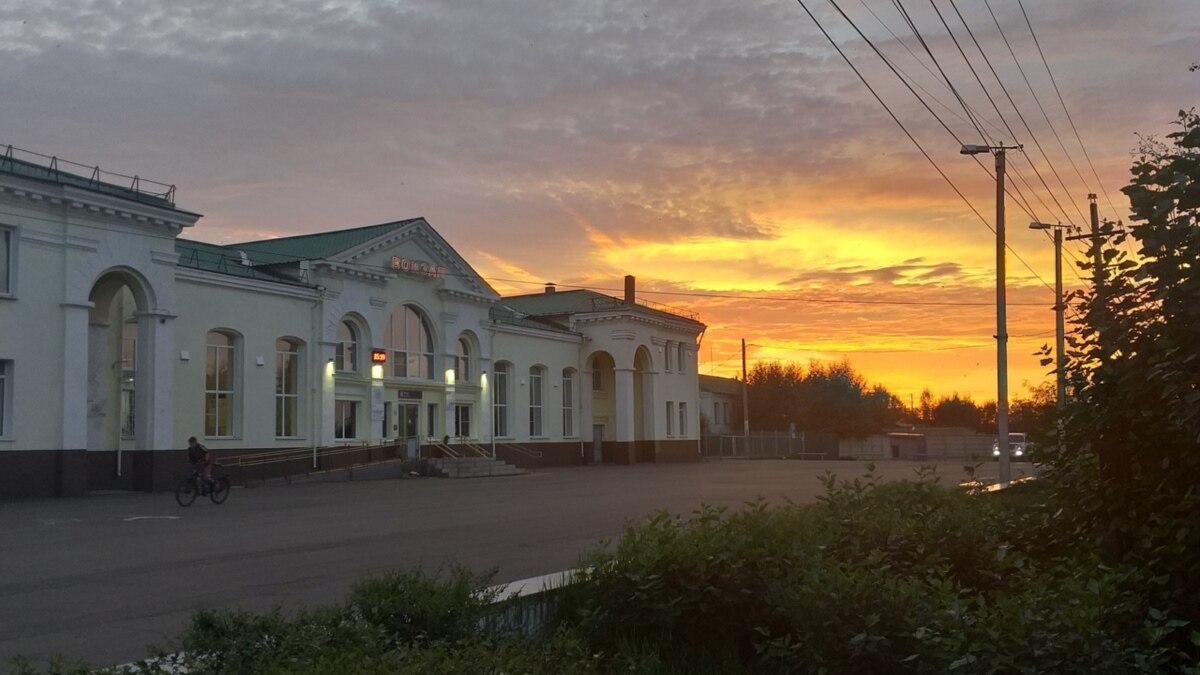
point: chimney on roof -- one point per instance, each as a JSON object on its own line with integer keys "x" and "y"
{"x": 630, "y": 289}
{"x": 550, "y": 287}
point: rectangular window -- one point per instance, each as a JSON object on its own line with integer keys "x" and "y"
{"x": 5, "y": 397}
{"x": 128, "y": 377}
{"x": 500, "y": 403}
{"x": 287, "y": 390}
{"x": 568, "y": 404}
{"x": 431, "y": 420}
{"x": 717, "y": 413}
{"x": 682, "y": 358}
{"x": 462, "y": 421}
{"x": 535, "y": 402}
{"x": 597, "y": 380}
{"x": 6, "y": 262}
{"x": 670, "y": 418}
{"x": 667, "y": 355}
{"x": 683, "y": 419}
{"x": 219, "y": 386}
{"x": 345, "y": 420}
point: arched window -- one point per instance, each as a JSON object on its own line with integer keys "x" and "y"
{"x": 409, "y": 340}
{"x": 568, "y": 403}
{"x": 287, "y": 388}
{"x": 462, "y": 360}
{"x": 346, "y": 354}
{"x": 536, "y": 396}
{"x": 220, "y": 386}
{"x": 597, "y": 375}
{"x": 500, "y": 400}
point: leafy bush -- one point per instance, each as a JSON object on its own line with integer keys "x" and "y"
{"x": 898, "y": 578}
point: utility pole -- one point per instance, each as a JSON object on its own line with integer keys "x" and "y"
{"x": 1097, "y": 257}
{"x": 1060, "y": 358}
{"x": 1002, "y": 441}
{"x": 745, "y": 396}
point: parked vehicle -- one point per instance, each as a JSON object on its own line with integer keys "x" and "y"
{"x": 1017, "y": 445}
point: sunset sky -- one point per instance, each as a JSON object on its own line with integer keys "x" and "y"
{"x": 721, "y": 152}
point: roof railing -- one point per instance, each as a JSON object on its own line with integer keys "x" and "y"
{"x": 95, "y": 178}
{"x": 604, "y": 303}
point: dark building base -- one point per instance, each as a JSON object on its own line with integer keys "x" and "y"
{"x": 74, "y": 473}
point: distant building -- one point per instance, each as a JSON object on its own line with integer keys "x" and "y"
{"x": 721, "y": 404}
{"x": 119, "y": 339}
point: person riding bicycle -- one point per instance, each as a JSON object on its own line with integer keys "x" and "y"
{"x": 200, "y": 461}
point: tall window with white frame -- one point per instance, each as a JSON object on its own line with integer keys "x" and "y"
{"x": 500, "y": 400}
{"x": 287, "y": 388}
{"x": 345, "y": 420}
{"x": 462, "y": 360}
{"x": 129, "y": 346}
{"x": 667, "y": 355}
{"x": 410, "y": 341}
{"x": 536, "y": 396}
{"x": 683, "y": 418}
{"x": 6, "y": 264}
{"x": 5, "y": 379}
{"x": 682, "y": 356}
{"x": 346, "y": 351}
{"x": 568, "y": 403}
{"x": 219, "y": 385}
{"x": 670, "y": 418}
{"x": 597, "y": 376}
{"x": 462, "y": 420}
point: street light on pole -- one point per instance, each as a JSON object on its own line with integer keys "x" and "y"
{"x": 1002, "y": 441}
{"x": 1060, "y": 359}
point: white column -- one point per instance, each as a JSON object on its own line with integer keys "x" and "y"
{"x": 75, "y": 375}
{"x": 586, "y": 418}
{"x": 623, "y": 404}
{"x": 323, "y": 396}
{"x": 155, "y": 383}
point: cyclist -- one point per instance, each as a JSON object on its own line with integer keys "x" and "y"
{"x": 200, "y": 461}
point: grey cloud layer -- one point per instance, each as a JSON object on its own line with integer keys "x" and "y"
{"x": 531, "y": 118}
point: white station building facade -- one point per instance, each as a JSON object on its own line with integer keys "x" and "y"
{"x": 119, "y": 339}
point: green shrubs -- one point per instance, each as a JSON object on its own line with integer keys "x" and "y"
{"x": 399, "y": 623}
{"x": 899, "y": 578}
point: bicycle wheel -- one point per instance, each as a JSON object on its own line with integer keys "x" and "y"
{"x": 185, "y": 494}
{"x": 219, "y": 491}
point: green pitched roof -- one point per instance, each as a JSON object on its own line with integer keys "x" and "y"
{"x": 560, "y": 302}
{"x": 580, "y": 301}
{"x": 223, "y": 260}
{"x": 321, "y": 245}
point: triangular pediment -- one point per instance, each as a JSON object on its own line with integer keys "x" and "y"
{"x": 415, "y": 251}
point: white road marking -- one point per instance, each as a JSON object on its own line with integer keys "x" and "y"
{"x": 133, "y": 518}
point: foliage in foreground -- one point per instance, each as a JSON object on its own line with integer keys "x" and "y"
{"x": 901, "y": 578}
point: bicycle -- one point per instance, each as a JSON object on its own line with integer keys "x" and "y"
{"x": 194, "y": 486}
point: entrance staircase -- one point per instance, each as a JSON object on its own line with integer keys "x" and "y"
{"x": 472, "y": 467}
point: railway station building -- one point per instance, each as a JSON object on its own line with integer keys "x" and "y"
{"x": 120, "y": 337}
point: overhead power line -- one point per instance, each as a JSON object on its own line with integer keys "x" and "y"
{"x": 903, "y": 128}
{"x": 1062, "y": 102}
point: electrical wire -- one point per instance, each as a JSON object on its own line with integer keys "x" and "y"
{"x": 1053, "y": 81}
{"x": 901, "y": 124}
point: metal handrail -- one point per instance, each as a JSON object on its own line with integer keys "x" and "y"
{"x": 289, "y": 454}
{"x": 479, "y": 450}
{"x": 534, "y": 454}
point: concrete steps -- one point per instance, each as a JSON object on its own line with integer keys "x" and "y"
{"x": 473, "y": 467}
